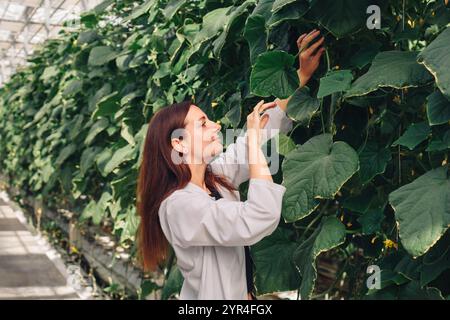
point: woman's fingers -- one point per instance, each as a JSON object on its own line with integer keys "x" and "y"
{"x": 307, "y": 39}
{"x": 313, "y": 47}
{"x": 300, "y": 39}
{"x": 264, "y": 120}
{"x": 261, "y": 106}
{"x": 266, "y": 106}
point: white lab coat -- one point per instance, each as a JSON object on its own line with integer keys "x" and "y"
{"x": 208, "y": 235}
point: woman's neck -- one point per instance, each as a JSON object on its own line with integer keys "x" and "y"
{"x": 198, "y": 175}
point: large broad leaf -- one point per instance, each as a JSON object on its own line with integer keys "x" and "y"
{"x": 341, "y": 17}
{"x": 173, "y": 283}
{"x": 213, "y": 22}
{"x": 274, "y": 75}
{"x": 65, "y": 153}
{"x": 141, "y": 10}
{"x": 334, "y": 81}
{"x": 49, "y": 73}
{"x": 373, "y": 159}
{"x": 287, "y": 10}
{"x": 131, "y": 225}
{"x": 107, "y": 106}
{"x": 435, "y": 58}
{"x": 371, "y": 203}
{"x": 328, "y": 235}
{"x": 233, "y": 16}
{"x": 316, "y": 169}
{"x": 255, "y": 27}
{"x": 96, "y": 128}
{"x": 88, "y": 158}
{"x": 396, "y": 69}
{"x": 439, "y": 141}
{"x": 172, "y": 7}
{"x": 302, "y": 106}
{"x": 275, "y": 269}
{"x": 438, "y": 108}
{"x": 415, "y": 134}
{"x": 422, "y": 210}
{"x": 436, "y": 261}
{"x": 121, "y": 155}
{"x": 101, "y": 55}
{"x": 284, "y": 144}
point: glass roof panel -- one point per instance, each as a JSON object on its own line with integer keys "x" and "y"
{"x": 27, "y": 23}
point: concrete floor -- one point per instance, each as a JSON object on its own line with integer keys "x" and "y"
{"x": 29, "y": 269}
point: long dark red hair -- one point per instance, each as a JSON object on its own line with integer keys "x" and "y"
{"x": 158, "y": 178}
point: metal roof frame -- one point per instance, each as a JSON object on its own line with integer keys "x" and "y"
{"x": 24, "y": 24}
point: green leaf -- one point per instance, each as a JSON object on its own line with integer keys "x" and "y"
{"x": 121, "y": 155}
{"x": 172, "y": 7}
{"x": 255, "y": 27}
{"x": 96, "y": 128}
{"x": 341, "y": 17}
{"x": 328, "y": 235}
{"x": 88, "y": 158}
{"x": 413, "y": 291}
{"x": 436, "y": 261}
{"x": 439, "y": 142}
{"x": 274, "y": 74}
{"x": 396, "y": 69}
{"x": 371, "y": 221}
{"x": 373, "y": 159}
{"x": 435, "y": 58}
{"x": 293, "y": 10}
{"x": 284, "y": 144}
{"x": 334, "y": 81}
{"x": 141, "y": 10}
{"x": 415, "y": 134}
{"x": 49, "y": 73}
{"x": 315, "y": 170}
{"x": 65, "y": 153}
{"x": 364, "y": 55}
{"x": 302, "y": 106}
{"x": 213, "y": 22}
{"x": 422, "y": 210}
{"x": 101, "y": 55}
{"x": 438, "y": 108}
{"x": 72, "y": 87}
{"x": 233, "y": 116}
{"x": 131, "y": 225}
{"x": 107, "y": 106}
{"x": 233, "y": 17}
{"x": 275, "y": 268}
{"x": 173, "y": 284}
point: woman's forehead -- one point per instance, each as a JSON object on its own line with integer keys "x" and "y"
{"x": 194, "y": 114}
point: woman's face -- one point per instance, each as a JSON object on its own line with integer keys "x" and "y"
{"x": 202, "y": 141}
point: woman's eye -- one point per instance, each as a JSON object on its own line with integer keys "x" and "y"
{"x": 204, "y": 123}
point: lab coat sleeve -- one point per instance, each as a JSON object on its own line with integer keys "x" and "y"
{"x": 197, "y": 220}
{"x": 233, "y": 163}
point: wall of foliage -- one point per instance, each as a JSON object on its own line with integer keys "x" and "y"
{"x": 365, "y": 167}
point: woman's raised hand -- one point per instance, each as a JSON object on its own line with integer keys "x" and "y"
{"x": 255, "y": 122}
{"x": 256, "y": 159}
{"x": 309, "y": 57}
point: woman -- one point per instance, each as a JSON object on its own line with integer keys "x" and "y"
{"x": 188, "y": 192}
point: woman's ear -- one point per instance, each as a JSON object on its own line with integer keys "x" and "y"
{"x": 178, "y": 145}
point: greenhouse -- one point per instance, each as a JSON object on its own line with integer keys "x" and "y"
{"x": 224, "y": 150}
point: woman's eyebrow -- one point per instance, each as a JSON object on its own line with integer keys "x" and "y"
{"x": 201, "y": 118}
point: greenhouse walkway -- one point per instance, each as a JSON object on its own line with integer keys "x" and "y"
{"x": 29, "y": 267}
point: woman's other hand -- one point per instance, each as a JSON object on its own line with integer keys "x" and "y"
{"x": 309, "y": 57}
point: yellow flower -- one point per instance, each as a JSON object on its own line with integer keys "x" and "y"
{"x": 389, "y": 244}
{"x": 213, "y": 104}
{"x": 73, "y": 249}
